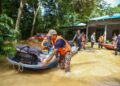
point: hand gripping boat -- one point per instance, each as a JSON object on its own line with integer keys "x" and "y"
{"x": 37, "y": 65}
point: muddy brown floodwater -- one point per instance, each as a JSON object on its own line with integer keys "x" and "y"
{"x": 91, "y": 67}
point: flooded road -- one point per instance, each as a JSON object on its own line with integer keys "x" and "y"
{"x": 91, "y": 67}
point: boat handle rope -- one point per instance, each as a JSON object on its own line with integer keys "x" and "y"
{"x": 20, "y": 67}
{"x": 13, "y": 66}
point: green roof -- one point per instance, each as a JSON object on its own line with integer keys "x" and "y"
{"x": 114, "y": 16}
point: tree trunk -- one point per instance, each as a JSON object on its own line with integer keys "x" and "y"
{"x": 22, "y": 3}
{"x": 34, "y": 19}
{"x": 57, "y": 15}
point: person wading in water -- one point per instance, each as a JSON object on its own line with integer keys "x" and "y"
{"x": 61, "y": 49}
{"x": 77, "y": 37}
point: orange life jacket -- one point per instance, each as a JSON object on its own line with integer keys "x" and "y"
{"x": 67, "y": 47}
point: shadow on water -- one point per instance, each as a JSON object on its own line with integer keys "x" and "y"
{"x": 36, "y": 72}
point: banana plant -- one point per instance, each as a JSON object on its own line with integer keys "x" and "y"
{"x": 7, "y": 34}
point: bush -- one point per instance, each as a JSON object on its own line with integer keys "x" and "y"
{"x": 7, "y": 35}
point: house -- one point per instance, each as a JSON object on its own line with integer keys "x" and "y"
{"x": 107, "y": 25}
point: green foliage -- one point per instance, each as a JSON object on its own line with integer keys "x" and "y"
{"x": 116, "y": 9}
{"x": 102, "y": 8}
{"x": 7, "y": 34}
{"x": 9, "y": 49}
{"x": 62, "y": 13}
{"x": 57, "y": 13}
{"x": 84, "y": 8}
{"x": 10, "y": 7}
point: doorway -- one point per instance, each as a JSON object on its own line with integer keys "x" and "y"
{"x": 115, "y": 32}
{"x": 99, "y": 31}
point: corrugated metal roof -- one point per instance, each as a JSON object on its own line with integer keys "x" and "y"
{"x": 114, "y": 16}
{"x": 79, "y": 24}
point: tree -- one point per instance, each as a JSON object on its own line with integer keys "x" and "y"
{"x": 22, "y": 3}
{"x": 102, "y": 9}
{"x": 35, "y": 16}
{"x": 116, "y": 9}
{"x": 57, "y": 13}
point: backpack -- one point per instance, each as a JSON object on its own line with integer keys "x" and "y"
{"x": 27, "y": 55}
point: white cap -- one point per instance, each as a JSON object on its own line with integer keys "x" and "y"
{"x": 52, "y": 32}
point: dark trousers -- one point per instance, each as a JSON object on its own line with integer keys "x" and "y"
{"x": 117, "y": 50}
{"x": 118, "y": 47}
{"x": 79, "y": 44}
{"x": 100, "y": 45}
{"x": 92, "y": 44}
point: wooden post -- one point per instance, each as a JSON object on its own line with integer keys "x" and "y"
{"x": 105, "y": 33}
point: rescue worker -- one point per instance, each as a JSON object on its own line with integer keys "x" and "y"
{"x": 61, "y": 49}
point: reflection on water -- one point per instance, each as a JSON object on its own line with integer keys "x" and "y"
{"x": 98, "y": 68}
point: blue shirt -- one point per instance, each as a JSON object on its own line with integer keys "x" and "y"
{"x": 60, "y": 44}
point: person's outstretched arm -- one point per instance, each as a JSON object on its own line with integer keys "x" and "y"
{"x": 51, "y": 56}
{"x": 74, "y": 37}
{"x": 59, "y": 44}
